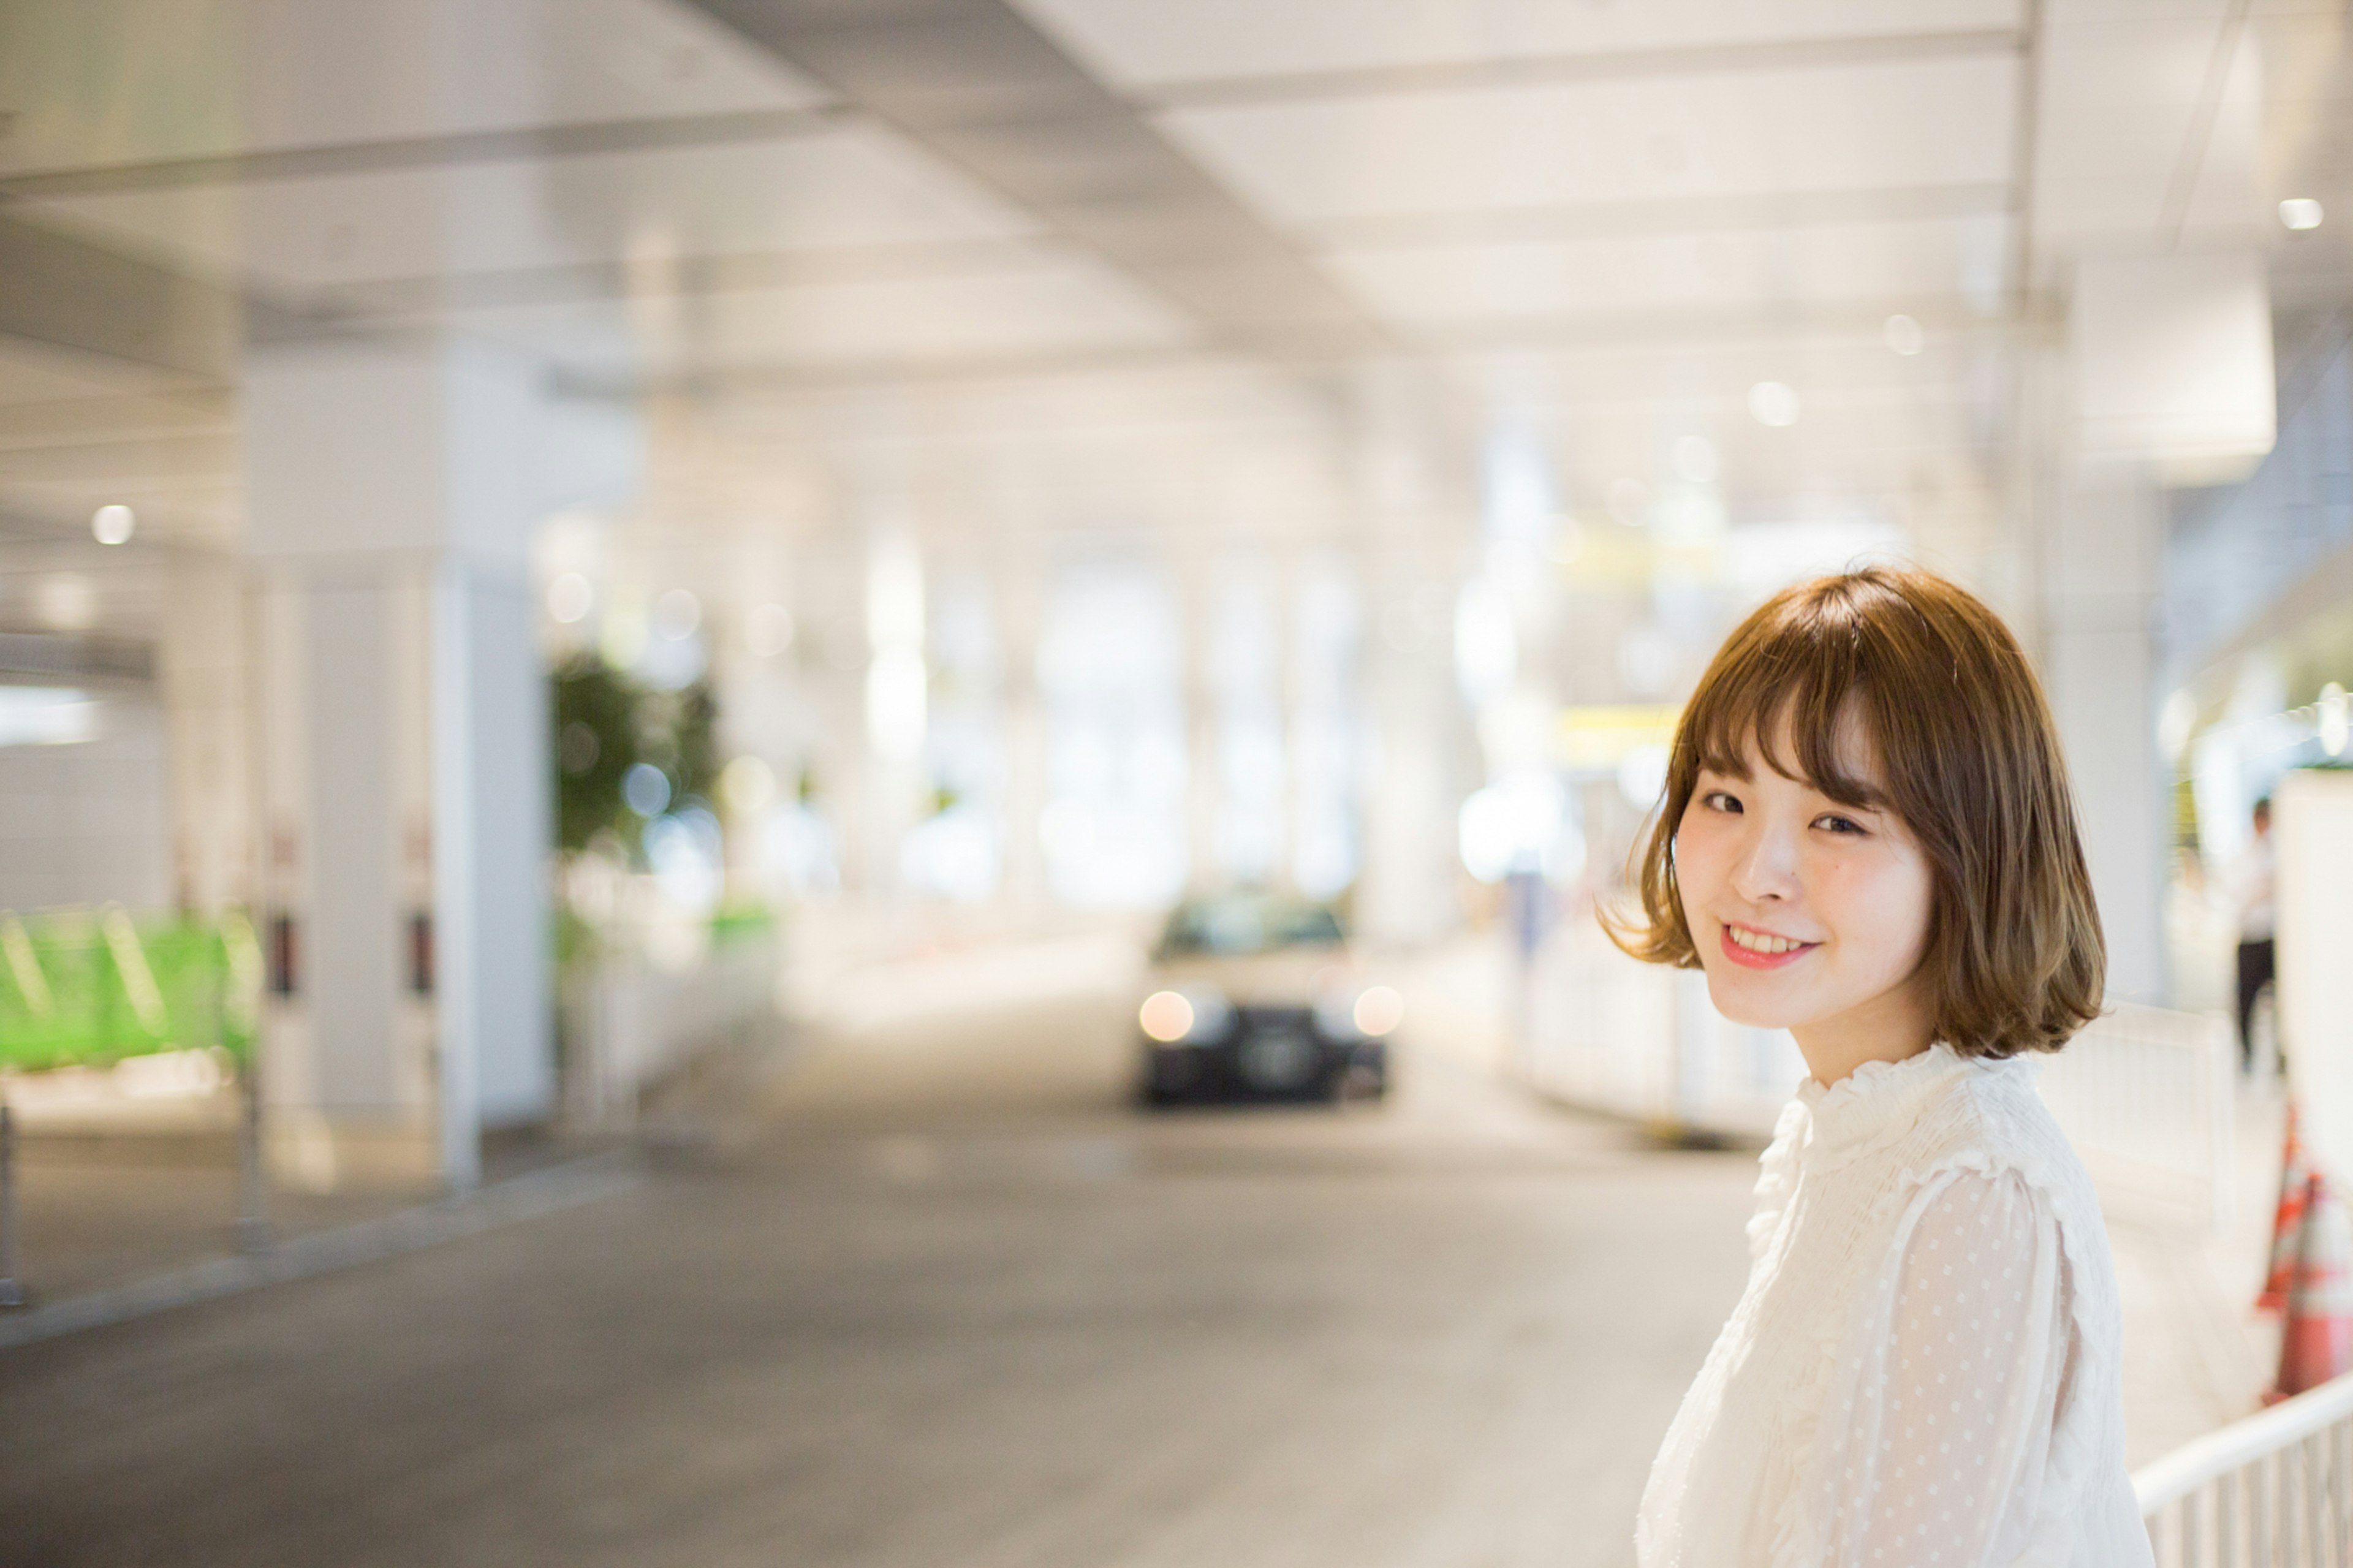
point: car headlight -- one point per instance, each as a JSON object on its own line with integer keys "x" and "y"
{"x": 1195, "y": 1015}
{"x": 1353, "y": 1015}
{"x": 1378, "y": 1010}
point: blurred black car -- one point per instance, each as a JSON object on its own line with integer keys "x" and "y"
{"x": 1258, "y": 996}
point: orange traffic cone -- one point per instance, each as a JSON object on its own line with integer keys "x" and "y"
{"x": 2287, "y": 1220}
{"x": 2317, "y": 1340}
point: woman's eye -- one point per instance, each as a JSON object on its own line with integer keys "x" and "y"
{"x": 1839, "y": 824}
{"x": 1717, "y": 800}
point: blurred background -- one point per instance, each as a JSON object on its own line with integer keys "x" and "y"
{"x": 633, "y": 615}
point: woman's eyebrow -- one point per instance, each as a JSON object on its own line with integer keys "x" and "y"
{"x": 1866, "y": 797}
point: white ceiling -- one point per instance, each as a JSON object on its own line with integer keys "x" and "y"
{"x": 99, "y": 83}
{"x": 1919, "y": 266}
{"x": 842, "y": 187}
{"x": 1601, "y": 219}
{"x": 1054, "y": 304}
{"x": 1726, "y": 134}
{"x": 1148, "y": 44}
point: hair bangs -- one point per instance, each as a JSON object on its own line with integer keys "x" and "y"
{"x": 1801, "y": 689}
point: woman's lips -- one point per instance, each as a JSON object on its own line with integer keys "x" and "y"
{"x": 1748, "y": 958}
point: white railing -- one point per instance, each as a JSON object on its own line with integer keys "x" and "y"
{"x": 1605, "y": 1031}
{"x": 2146, "y": 1095}
{"x": 2274, "y": 1490}
{"x": 2148, "y": 1098}
{"x": 628, "y": 1022}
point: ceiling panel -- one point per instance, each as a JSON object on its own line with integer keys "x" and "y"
{"x": 430, "y": 70}
{"x": 2119, "y": 103}
{"x": 1146, "y": 43}
{"x": 33, "y": 371}
{"x": 94, "y": 465}
{"x": 1064, "y": 304}
{"x": 1937, "y": 260}
{"x": 835, "y": 188}
{"x": 107, "y": 83}
{"x": 1890, "y": 125}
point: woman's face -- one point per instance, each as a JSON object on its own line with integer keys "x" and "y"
{"x": 1809, "y": 915}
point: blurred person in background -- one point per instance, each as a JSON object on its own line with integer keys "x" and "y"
{"x": 1867, "y": 838}
{"x": 2253, "y": 886}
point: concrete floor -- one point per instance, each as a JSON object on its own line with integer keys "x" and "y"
{"x": 936, "y": 1296}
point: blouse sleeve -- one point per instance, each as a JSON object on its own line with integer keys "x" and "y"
{"x": 1946, "y": 1457}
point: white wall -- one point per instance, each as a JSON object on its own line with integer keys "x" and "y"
{"x": 2313, "y": 828}
{"x": 86, "y": 823}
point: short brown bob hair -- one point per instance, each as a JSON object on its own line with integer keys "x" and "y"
{"x": 1972, "y": 766}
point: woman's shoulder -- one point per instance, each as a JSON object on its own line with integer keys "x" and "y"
{"x": 1989, "y": 1122}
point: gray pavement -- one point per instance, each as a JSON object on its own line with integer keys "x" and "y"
{"x": 935, "y": 1295}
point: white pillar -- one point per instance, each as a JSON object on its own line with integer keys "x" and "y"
{"x": 1407, "y": 891}
{"x": 201, "y": 676}
{"x": 2099, "y": 596}
{"x": 403, "y": 767}
{"x": 2169, "y": 360}
{"x": 1021, "y": 590}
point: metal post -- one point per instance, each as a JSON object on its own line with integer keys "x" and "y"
{"x": 252, "y": 1184}
{"x": 12, "y": 1292}
{"x": 252, "y": 1187}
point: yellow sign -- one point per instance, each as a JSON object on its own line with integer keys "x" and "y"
{"x": 1602, "y": 736}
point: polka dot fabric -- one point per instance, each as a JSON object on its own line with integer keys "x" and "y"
{"x": 1922, "y": 1369}
{"x": 1967, "y": 1384}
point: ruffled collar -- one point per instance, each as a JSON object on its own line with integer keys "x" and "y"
{"x": 1877, "y": 1103}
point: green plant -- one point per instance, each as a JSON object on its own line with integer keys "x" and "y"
{"x": 607, "y": 723}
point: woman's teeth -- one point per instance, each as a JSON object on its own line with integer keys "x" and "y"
{"x": 1756, "y": 941}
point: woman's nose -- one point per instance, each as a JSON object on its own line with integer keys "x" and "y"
{"x": 1767, "y": 866}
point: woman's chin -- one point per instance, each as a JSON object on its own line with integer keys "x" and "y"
{"x": 1735, "y": 995}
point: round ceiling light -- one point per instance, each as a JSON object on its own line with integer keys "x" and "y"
{"x": 1772, "y": 403}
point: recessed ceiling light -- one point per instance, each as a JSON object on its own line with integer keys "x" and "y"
{"x": 769, "y": 630}
{"x": 66, "y": 601}
{"x": 1904, "y": 336}
{"x": 1695, "y": 459}
{"x": 676, "y": 614}
{"x": 1773, "y": 403}
{"x": 1630, "y": 500}
{"x": 2300, "y": 212}
{"x": 112, "y": 524}
{"x": 570, "y": 597}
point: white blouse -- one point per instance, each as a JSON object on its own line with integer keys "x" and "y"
{"x": 1923, "y": 1370}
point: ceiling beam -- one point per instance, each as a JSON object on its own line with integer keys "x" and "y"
{"x": 392, "y": 154}
{"x": 1679, "y": 329}
{"x": 1682, "y": 214}
{"x": 1592, "y": 66}
{"x": 978, "y": 87}
{"x": 70, "y": 294}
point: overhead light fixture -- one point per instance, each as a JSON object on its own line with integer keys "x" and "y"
{"x": 1630, "y": 500}
{"x": 1904, "y": 336}
{"x": 676, "y": 614}
{"x": 769, "y": 630}
{"x": 2300, "y": 212}
{"x": 112, "y": 524}
{"x": 1695, "y": 459}
{"x": 570, "y": 597}
{"x": 1773, "y": 403}
{"x": 66, "y": 601}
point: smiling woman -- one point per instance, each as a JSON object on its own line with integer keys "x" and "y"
{"x": 1808, "y": 914}
{"x": 1906, "y": 713}
{"x": 1867, "y": 840}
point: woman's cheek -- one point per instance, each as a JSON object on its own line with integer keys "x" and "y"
{"x": 1698, "y": 859}
{"x": 1883, "y": 897}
